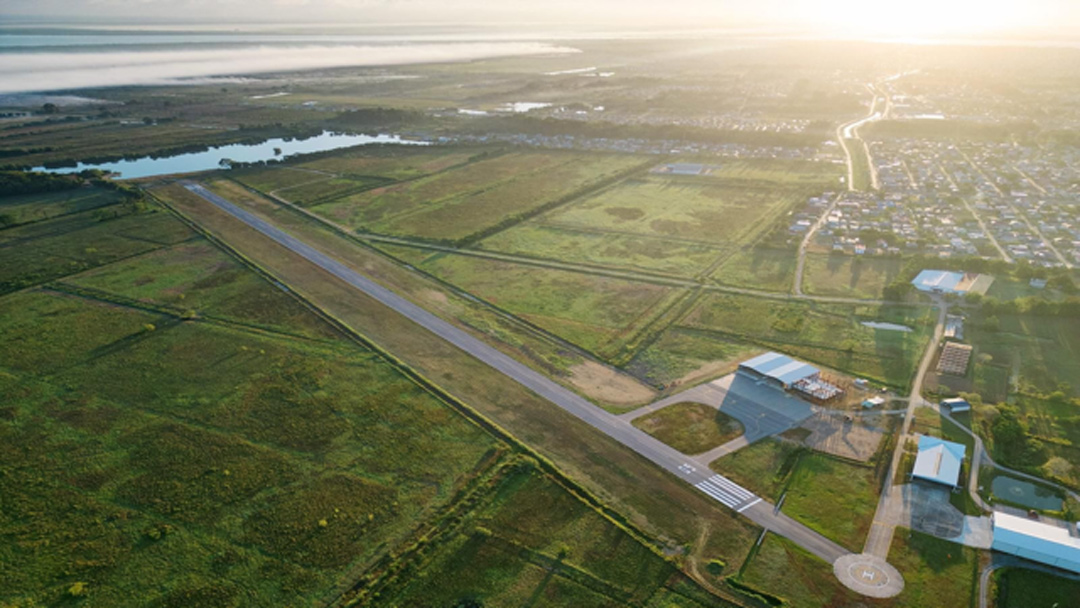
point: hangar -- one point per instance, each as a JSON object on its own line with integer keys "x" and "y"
{"x": 1053, "y": 545}
{"x": 779, "y": 369}
{"x": 939, "y": 460}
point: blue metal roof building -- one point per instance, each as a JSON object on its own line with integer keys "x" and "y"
{"x": 780, "y": 368}
{"x": 939, "y": 460}
{"x": 1057, "y": 546}
{"x": 938, "y": 281}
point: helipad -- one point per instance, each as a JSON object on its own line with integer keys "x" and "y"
{"x": 869, "y": 575}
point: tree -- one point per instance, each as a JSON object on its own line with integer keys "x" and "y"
{"x": 50, "y": 108}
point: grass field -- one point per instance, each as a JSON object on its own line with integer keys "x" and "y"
{"x": 936, "y": 573}
{"x": 834, "y": 497}
{"x": 1022, "y": 588}
{"x": 763, "y": 467}
{"x": 454, "y": 205}
{"x": 42, "y": 251}
{"x": 785, "y": 570}
{"x": 716, "y": 213}
{"x": 849, "y": 276}
{"x": 596, "y": 313}
{"x": 680, "y": 357}
{"x": 759, "y": 268}
{"x": 828, "y": 334}
{"x": 200, "y": 442}
{"x": 691, "y": 428}
{"x": 676, "y": 257}
{"x": 17, "y": 210}
{"x": 197, "y": 277}
{"x": 533, "y": 543}
{"x": 782, "y": 171}
{"x": 1044, "y": 349}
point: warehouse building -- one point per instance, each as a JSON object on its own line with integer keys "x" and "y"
{"x": 790, "y": 374}
{"x": 778, "y": 369}
{"x": 1046, "y": 543}
{"x": 939, "y": 461}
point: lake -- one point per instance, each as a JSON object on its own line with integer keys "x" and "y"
{"x": 192, "y": 162}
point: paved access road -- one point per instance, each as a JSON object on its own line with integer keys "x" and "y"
{"x": 716, "y": 487}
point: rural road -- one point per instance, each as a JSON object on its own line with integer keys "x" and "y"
{"x": 717, "y": 487}
{"x": 881, "y": 530}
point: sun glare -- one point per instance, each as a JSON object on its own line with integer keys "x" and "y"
{"x": 923, "y": 18}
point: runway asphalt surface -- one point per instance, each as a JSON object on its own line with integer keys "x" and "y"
{"x": 715, "y": 486}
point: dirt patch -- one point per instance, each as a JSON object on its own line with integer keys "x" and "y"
{"x": 430, "y": 295}
{"x": 712, "y": 369}
{"x": 609, "y": 386}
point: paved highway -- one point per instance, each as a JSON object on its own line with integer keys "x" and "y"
{"x": 717, "y": 487}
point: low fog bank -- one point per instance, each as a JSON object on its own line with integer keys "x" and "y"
{"x": 38, "y": 72}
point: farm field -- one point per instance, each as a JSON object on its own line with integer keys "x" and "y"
{"x": 691, "y": 428}
{"x": 650, "y": 254}
{"x": 849, "y": 276}
{"x": 706, "y": 211}
{"x": 834, "y": 497}
{"x": 454, "y": 205}
{"x": 831, "y": 335}
{"x": 783, "y": 171}
{"x": 759, "y": 268}
{"x": 596, "y": 313}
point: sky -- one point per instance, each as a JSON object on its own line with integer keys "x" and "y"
{"x": 907, "y": 18}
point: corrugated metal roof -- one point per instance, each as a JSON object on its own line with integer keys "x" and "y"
{"x": 1037, "y": 541}
{"x": 781, "y": 367}
{"x": 939, "y": 460}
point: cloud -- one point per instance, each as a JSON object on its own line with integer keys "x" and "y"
{"x": 36, "y": 72}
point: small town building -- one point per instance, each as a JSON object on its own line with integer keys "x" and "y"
{"x": 873, "y": 402}
{"x": 1056, "y": 545}
{"x": 957, "y": 405}
{"x": 939, "y": 461}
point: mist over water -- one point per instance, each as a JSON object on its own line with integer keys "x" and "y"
{"x": 73, "y": 60}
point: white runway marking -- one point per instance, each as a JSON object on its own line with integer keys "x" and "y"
{"x": 727, "y": 492}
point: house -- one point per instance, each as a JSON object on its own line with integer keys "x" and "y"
{"x": 939, "y": 461}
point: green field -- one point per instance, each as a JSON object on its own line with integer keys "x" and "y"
{"x": 711, "y": 212}
{"x": 42, "y": 251}
{"x": 849, "y": 276}
{"x": 596, "y": 313}
{"x": 691, "y": 428}
{"x": 1023, "y": 588}
{"x": 17, "y": 210}
{"x": 686, "y": 356}
{"x": 651, "y": 254}
{"x": 763, "y": 467}
{"x": 828, "y": 334}
{"x": 936, "y": 573}
{"x": 834, "y": 497}
{"x": 196, "y": 277}
{"x": 759, "y": 268}
{"x": 453, "y": 205}
{"x": 1043, "y": 347}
